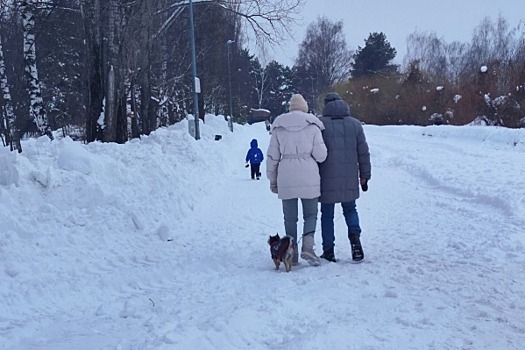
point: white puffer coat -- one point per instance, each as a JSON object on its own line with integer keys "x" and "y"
{"x": 296, "y": 147}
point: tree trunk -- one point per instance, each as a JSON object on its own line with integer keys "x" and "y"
{"x": 148, "y": 115}
{"x": 36, "y": 110}
{"x": 116, "y": 119}
{"x": 122, "y": 120}
{"x": 110, "y": 113}
{"x": 111, "y": 73}
{"x": 104, "y": 62}
{"x": 7, "y": 118}
{"x": 135, "y": 131}
{"x": 95, "y": 89}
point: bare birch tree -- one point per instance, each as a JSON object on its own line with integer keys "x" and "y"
{"x": 495, "y": 45}
{"x": 324, "y": 59}
{"x": 261, "y": 76}
{"x": 37, "y": 111}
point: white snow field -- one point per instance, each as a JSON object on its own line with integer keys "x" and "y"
{"x": 160, "y": 243}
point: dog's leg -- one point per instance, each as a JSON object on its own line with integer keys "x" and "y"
{"x": 277, "y": 263}
{"x": 288, "y": 263}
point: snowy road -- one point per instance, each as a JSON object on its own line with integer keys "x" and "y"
{"x": 182, "y": 262}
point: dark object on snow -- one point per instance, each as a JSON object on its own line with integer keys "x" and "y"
{"x": 218, "y": 137}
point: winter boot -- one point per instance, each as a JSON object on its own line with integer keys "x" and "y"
{"x": 357, "y": 250}
{"x": 329, "y": 255}
{"x": 307, "y": 251}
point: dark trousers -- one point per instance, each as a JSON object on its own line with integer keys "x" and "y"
{"x": 327, "y": 222}
{"x": 255, "y": 169}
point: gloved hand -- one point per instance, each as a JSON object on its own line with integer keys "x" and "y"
{"x": 364, "y": 185}
{"x": 273, "y": 188}
{"x": 247, "y": 165}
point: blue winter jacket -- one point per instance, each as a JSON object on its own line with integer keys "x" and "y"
{"x": 254, "y": 155}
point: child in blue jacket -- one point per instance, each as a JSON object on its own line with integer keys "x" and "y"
{"x": 254, "y": 158}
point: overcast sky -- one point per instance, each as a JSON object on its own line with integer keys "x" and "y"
{"x": 450, "y": 19}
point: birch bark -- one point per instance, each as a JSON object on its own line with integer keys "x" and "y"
{"x": 37, "y": 113}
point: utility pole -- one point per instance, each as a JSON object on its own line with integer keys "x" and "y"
{"x": 196, "y": 81}
{"x": 230, "y": 120}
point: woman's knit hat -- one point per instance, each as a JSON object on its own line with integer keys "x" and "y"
{"x": 298, "y": 103}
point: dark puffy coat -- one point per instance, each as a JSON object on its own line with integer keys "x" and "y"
{"x": 348, "y": 155}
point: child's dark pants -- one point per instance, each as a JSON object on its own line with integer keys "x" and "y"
{"x": 255, "y": 170}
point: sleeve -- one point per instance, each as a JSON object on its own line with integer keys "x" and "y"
{"x": 273, "y": 157}
{"x": 248, "y": 155}
{"x": 363, "y": 155}
{"x": 262, "y": 155}
{"x": 319, "y": 151}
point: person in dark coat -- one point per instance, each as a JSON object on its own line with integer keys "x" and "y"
{"x": 254, "y": 158}
{"x": 346, "y": 167}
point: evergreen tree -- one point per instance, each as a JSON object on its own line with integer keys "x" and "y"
{"x": 375, "y": 57}
{"x": 244, "y": 85}
{"x": 280, "y": 88}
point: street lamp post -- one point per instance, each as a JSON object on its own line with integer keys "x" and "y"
{"x": 230, "y": 120}
{"x": 196, "y": 82}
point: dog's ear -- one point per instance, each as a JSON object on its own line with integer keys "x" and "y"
{"x": 278, "y": 235}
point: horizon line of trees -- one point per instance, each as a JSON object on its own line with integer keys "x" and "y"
{"x": 111, "y": 70}
{"x": 453, "y": 83}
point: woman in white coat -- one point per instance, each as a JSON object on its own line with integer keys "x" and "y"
{"x": 296, "y": 147}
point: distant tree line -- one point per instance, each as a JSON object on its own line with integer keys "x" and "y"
{"x": 456, "y": 83}
{"x": 111, "y": 70}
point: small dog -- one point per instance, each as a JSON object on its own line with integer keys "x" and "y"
{"x": 282, "y": 249}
